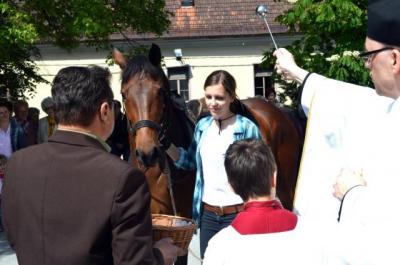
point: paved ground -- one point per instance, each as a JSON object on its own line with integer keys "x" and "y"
{"x": 194, "y": 251}
{"x": 7, "y": 256}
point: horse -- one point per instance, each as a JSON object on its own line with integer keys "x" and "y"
{"x": 150, "y": 108}
{"x": 281, "y": 129}
{"x": 154, "y": 112}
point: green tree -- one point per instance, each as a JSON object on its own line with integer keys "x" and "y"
{"x": 332, "y": 33}
{"x": 18, "y": 72}
{"x": 67, "y": 24}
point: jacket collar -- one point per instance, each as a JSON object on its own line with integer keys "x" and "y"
{"x": 206, "y": 122}
{"x": 79, "y": 139}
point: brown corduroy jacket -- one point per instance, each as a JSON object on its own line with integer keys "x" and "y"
{"x": 70, "y": 202}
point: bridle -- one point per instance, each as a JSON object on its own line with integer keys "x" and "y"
{"x": 161, "y": 128}
{"x": 144, "y": 123}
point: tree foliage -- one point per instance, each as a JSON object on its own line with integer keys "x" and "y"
{"x": 18, "y": 72}
{"x": 67, "y": 24}
{"x": 332, "y": 33}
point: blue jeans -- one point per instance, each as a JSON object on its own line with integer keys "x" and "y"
{"x": 210, "y": 225}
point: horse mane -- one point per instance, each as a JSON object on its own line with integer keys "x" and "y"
{"x": 141, "y": 65}
{"x": 239, "y": 108}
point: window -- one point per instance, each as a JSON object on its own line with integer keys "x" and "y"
{"x": 263, "y": 84}
{"x": 187, "y": 3}
{"x": 179, "y": 80}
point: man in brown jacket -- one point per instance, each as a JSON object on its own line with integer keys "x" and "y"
{"x": 69, "y": 201}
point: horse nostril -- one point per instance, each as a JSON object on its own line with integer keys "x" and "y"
{"x": 149, "y": 159}
{"x": 153, "y": 156}
{"x": 140, "y": 156}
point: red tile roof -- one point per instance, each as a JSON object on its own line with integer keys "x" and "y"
{"x": 217, "y": 18}
{"x": 222, "y": 18}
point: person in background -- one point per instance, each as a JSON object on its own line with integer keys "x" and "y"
{"x": 12, "y": 136}
{"x": 3, "y": 163}
{"x": 21, "y": 113}
{"x": 215, "y": 205}
{"x": 68, "y": 201}
{"x": 264, "y": 230}
{"x": 271, "y": 96}
{"x": 33, "y": 122}
{"x": 47, "y": 125}
{"x": 119, "y": 139}
{"x": 21, "y": 118}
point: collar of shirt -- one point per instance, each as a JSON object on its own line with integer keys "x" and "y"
{"x": 272, "y": 204}
{"x": 239, "y": 128}
{"x": 395, "y": 106}
{"x": 262, "y": 217}
{"x": 8, "y": 131}
{"x": 103, "y": 143}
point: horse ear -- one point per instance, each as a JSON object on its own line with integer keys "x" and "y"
{"x": 119, "y": 58}
{"x": 155, "y": 55}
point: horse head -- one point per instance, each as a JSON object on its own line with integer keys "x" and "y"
{"x": 144, "y": 91}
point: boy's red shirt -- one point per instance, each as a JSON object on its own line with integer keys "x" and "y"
{"x": 261, "y": 217}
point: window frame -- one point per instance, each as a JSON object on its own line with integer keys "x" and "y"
{"x": 180, "y": 74}
{"x": 267, "y": 82}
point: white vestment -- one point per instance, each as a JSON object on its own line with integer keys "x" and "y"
{"x": 341, "y": 118}
{"x": 354, "y": 128}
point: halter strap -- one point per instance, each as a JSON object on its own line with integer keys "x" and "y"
{"x": 161, "y": 128}
{"x": 144, "y": 123}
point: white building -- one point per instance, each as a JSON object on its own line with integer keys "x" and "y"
{"x": 212, "y": 35}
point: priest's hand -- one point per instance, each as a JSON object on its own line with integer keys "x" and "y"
{"x": 287, "y": 67}
{"x": 346, "y": 180}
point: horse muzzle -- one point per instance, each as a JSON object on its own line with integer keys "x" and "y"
{"x": 148, "y": 159}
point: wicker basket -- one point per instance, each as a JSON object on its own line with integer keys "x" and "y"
{"x": 167, "y": 226}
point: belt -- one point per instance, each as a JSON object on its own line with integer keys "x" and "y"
{"x": 223, "y": 210}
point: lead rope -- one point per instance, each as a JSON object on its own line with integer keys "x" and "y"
{"x": 167, "y": 172}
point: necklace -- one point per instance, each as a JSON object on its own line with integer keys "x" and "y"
{"x": 220, "y": 122}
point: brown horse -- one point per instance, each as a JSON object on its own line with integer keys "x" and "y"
{"x": 153, "y": 114}
{"x": 280, "y": 133}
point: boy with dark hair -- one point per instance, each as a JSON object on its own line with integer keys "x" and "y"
{"x": 251, "y": 169}
{"x": 263, "y": 226}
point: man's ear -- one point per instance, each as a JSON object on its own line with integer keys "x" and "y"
{"x": 396, "y": 61}
{"x": 274, "y": 177}
{"x": 106, "y": 112}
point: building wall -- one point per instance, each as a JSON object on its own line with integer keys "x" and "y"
{"x": 235, "y": 55}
